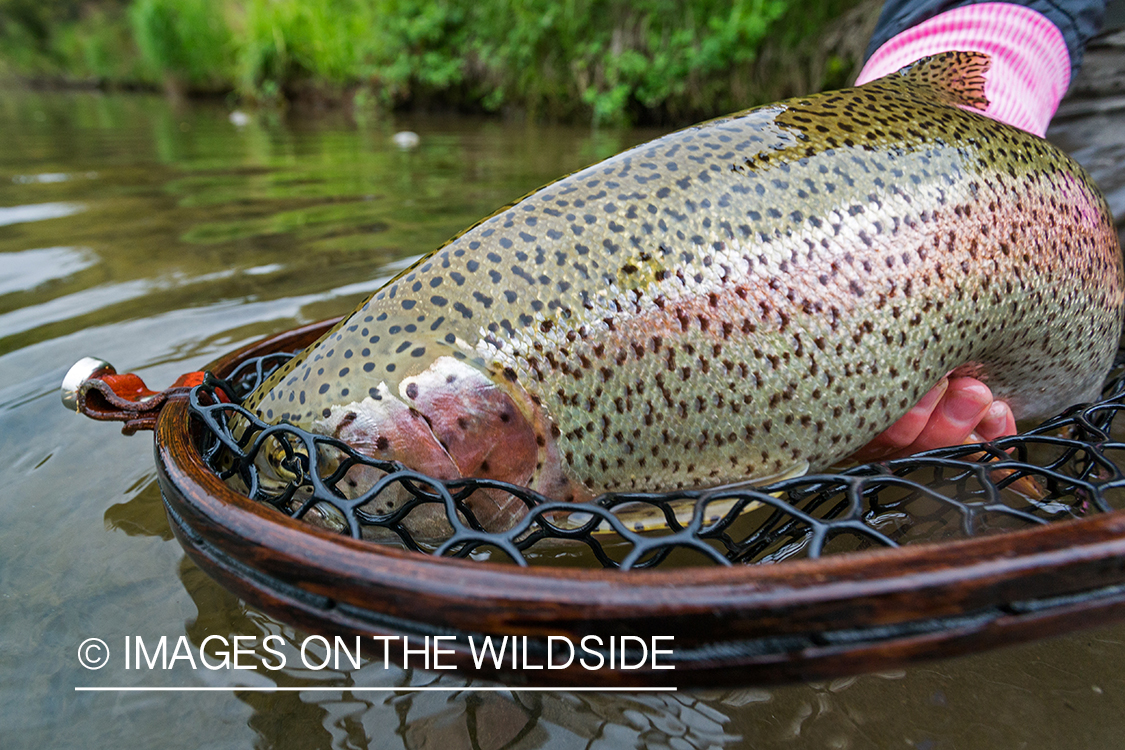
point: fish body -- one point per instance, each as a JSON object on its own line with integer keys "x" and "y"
{"x": 742, "y": 299}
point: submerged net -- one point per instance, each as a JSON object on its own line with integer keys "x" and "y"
{"x": 1064, "y": 468}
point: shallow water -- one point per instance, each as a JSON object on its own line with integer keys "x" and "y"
{"x": 159, "y": 238}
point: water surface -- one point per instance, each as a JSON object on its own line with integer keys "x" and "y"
{"x": 159, "y": 238}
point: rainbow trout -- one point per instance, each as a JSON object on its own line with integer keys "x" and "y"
{"x": 744, "y": 299}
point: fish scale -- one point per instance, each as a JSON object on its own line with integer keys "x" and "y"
{"x": 745, "y": 298}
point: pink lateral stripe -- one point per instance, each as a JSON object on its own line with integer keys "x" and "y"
{"x": 1030, "y": 68}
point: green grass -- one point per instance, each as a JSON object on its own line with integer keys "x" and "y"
{"x": 187, "y": 41}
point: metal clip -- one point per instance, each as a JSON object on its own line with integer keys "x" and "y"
{"x": 94, "y": 388}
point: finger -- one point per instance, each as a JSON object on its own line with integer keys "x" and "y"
{"x": 907, "y": 429}
{"x": 997, "y": 423}
{"x": 966, "y": 403}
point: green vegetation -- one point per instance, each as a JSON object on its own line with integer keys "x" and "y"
{"x": 609, "y": 61}
{"x": 186, "y": 40}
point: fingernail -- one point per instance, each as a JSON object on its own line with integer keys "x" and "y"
{"x": 997, "y": 412}
{"x": 995, "y": 423}
{"x": 933, "y": 395}
{"x": 967, "y": 405}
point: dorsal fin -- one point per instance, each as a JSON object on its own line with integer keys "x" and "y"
{"x": 955, "y": 78}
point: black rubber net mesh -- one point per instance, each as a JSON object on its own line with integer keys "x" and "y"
{"x": 1067, "y": 467}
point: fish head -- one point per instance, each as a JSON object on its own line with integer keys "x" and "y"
{"x": 449, "y": 421}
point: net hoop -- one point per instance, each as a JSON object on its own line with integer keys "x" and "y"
{"x": 746, "y": 624}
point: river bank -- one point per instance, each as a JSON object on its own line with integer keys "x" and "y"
{"x": 661, "y": 62}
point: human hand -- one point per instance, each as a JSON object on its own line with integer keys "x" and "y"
{"x": 954, "y": 412}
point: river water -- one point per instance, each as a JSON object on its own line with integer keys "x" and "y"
{"x": 159, "y": 238}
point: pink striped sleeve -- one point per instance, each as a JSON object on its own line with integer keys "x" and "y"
{"x": 1030, "y": 68}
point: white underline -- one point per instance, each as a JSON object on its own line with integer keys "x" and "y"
{"x": 468, "y": 689}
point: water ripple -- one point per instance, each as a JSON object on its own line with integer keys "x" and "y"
{"x": 37, "y": 212}
{"x": 28, "y": 269}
